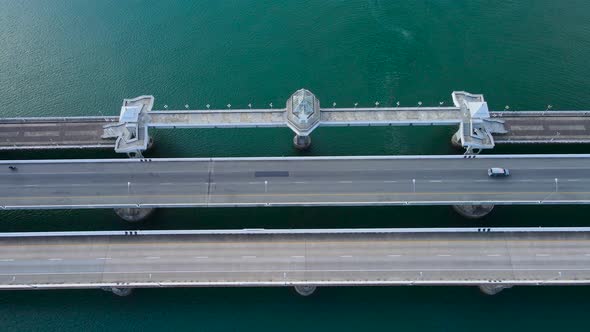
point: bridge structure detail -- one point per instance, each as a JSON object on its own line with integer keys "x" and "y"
{"x": 477, "y": 127}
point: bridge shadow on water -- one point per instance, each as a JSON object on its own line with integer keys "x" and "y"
{"x": 300, "y": 217}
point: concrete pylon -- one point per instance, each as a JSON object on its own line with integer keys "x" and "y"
{"x": 473, "y": 211}
{"x": 134, "y": 214}
{"x": 301, "y": 142}
{"x": 493, "y": 289}
{"x": 305, "y": 290}
{"x": 456, "y": 140}
{"x": 119, "y": 291}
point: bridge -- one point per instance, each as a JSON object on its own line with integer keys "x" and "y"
{"x": 491, "y": 258}
{"x": 294, "y": 181}
{"x": 478, "y": 128}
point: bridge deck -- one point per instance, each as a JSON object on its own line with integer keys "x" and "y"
{"x": 54, "y": 133}
{"x": 329, "y": 181}
{"x": 87, "y": 132}
{"x": 267, "y": 258}
{"x": 544, "y": 127}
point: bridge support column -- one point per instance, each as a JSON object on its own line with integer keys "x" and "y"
{"x": 456, "y": 139}
{"x": 473, "y": 211}
{"x": 302, "y": 142}
{"x": 134, "y": 215}
{"x": 150, "y": 144}
{"x": 493, "y": 289}
{"x": 119, "y": 291}
{"x": 305, "y": 290}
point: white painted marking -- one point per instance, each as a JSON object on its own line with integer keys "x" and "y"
{"x": 393, "y": 255}
{"x": 300, "y": 182}
{"x": 55, "y": 259}
{"x": 7, "y": 260}
{"x": 152, "y": 257}
{"x": 587, "y": 255}
{"x": 248, "y": 257}
{"x": 494, "y": 255}
{"x": 444, "y": 255}
{"x": 542, "y": 255}
{"x": 435, "y": 181}
{"x": 103, "y": 258}
{"x": 201, "y": 257}
{"x": 297, "y": 256}
{"x": 254, "y": 182}
{"x": 346, "y": 256}
{"x": 390, "y": 181}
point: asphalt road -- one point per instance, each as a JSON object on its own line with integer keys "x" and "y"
{"x": 286, "y": 259}
{"x": 52, "y": 134}
{"x": 294, "y": 181}
{"x": 544, "y": 129}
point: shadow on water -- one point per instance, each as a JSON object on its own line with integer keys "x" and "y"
{"x": 311, "y": 217}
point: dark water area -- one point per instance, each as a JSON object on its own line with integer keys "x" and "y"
{"x": 64, "y": 58}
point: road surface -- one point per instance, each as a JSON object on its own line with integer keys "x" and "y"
{"x": 435, "y": 180}
{"x": 282, "y": 258}
{"x": 54, "y": 133}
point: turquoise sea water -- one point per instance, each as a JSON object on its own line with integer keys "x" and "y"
{"x": 83, "y": 57}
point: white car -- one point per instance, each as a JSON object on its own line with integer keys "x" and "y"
{"x": 497, "y": 171}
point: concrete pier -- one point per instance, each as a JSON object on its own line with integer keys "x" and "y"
{"x": 473, "y": 211}
{"x": 456, "y": 140}
{"x": 119, "y": 291}
{"x": 134, "y": 215}
{"x": 305, "y": 290}
{"x": 302, "y": 142}
{"x": 493, "y": 289}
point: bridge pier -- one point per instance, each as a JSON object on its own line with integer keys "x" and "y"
{"x": 473, "y": 211}
{"x": 119, "y": 291}
{"x": 301, "y": 142}
{"x": 493, "y": 289}
{"x": 305, "y": 290}
{"x": 456, "y": 139}
{"x": 134, "y": 214}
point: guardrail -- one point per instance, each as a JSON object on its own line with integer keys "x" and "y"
{"x": 263, "y": 231}
{"x": 408, "y": 157}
